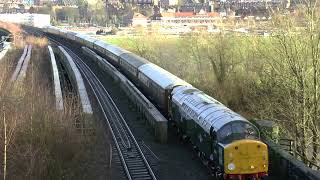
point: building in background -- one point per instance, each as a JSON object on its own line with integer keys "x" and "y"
{"x": 36, "y": 20}
{"x": 139, "y": 20}
{"x": 11, "y": 1}
{"x": 163, "y": 3}
{"x": 13, "y": 8}
{"x": 184, "y": 19}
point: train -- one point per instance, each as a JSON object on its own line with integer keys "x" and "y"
{"x": 228, "y": 143}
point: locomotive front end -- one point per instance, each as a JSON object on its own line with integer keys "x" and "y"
{"x": 246, "y": 159}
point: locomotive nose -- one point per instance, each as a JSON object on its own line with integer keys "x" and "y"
{"x": 248, "y": 157}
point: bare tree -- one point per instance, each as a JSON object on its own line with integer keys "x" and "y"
{"x": 292, "y": 73}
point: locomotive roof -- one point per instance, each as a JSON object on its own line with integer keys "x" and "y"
{"x": 160, "y": 76}
{"x": 206, "y": 111}
{"x": 101, "y": 44}
{"x": 133, "y": 59}
{"x": 116, "y": 50}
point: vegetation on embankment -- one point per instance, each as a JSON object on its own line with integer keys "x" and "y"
{"x": 273, "y": 78}
{"x": 36, "y": 141}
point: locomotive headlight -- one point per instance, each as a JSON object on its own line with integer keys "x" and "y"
{"x": 231, "y": 166}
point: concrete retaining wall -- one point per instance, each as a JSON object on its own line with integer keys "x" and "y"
{"x": 282, "y": 164}
{"x": 285, "y": 166}
{"x": 56, "y": 81}
{"x": 77, "y": 80}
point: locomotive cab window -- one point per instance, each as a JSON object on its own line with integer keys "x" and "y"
{"x": 236, "y": 131}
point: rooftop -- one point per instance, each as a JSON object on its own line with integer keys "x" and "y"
{"x": 189, "y": 14}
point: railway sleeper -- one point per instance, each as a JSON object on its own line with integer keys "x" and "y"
{"x": 141, "y": 173}
{"x": 137, "y": 164}
{"x": 141, "y": 176}
{"x": 136, "y": 168}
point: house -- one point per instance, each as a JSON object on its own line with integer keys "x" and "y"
{"x": 188, "y": 18}
{"x": 139, "y": 19}
{"x": 168, "y": 2}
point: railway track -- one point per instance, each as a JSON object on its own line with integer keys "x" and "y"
{"x": 134, "y": 162}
